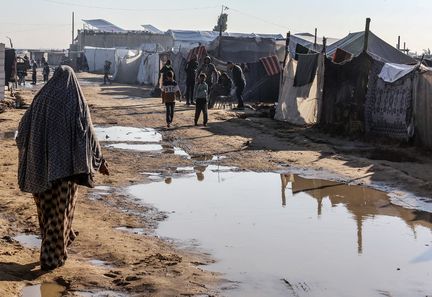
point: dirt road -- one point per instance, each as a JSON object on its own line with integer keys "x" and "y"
{"x": 104, "y": 258}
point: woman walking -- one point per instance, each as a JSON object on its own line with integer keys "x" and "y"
{"x": 58, "y": 150}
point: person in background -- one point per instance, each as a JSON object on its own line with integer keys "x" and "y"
{"x": 165, "y": 70}
{"x": 201, "y": 94}
{"x": 222, "y": 88}
{"x": 34, "y": 72}
{"x": 239, "y": 82}
{"x": 209, "y": 69}
{"x": 191, "y": 70}
{"x": 170, "y": 90}
{"x": 57, "y": 151}
{"x": 46, "y": 72}
{"x": 107, "y": 69}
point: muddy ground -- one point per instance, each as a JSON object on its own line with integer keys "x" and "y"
{"x": 143, "y": 264}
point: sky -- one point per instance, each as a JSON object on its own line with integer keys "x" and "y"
{"x": 47, "y": 23}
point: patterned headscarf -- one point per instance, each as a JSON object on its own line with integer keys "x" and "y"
{"x": 56, "y": 138}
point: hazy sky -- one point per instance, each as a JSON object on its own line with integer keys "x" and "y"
{"x": 47, "y": 23}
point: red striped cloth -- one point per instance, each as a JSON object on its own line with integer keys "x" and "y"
{"x": 199, "y": 51}
{"x": 271, "y": 65}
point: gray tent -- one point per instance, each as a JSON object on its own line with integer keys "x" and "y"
{"x": 378, "y": 49}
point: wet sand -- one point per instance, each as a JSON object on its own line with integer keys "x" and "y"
{"x": 141, "y": 263}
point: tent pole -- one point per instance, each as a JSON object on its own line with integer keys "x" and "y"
{"x": 324, "y": 45}
{"x": 398, "y": 44}
{"x": 287, "y": 42}
{"x": 315, "y": 39}
{"x": 366, "y": 36}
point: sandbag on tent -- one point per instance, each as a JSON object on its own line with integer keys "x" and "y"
{"x": 300, "y": 105}
{"x": 344, "y": 93}
{"x": 127, "y": 69}
{"x": 148, "y": 72}
{"x": 423, "y": 108}
{"x": 97, "y": 56}
{"x": 388, "y": 106}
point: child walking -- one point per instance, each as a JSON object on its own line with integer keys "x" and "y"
{"x": 170, "y": 90}
{"x": 201, "y": 94}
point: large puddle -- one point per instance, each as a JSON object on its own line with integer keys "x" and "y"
{"x": 284, "y": 235}
{"x": 128, "y": 134}
{"x": 43, "y": 290}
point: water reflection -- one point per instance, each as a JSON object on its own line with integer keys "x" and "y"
{"x": 362, "y": 203}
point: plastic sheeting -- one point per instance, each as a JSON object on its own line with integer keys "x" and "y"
{"x": 148, "y": 72}
{"x": 96, "y": 58}
{"x": 423, "y": 108}
{"x": 377, "y": 48}
{"x": 300, "y": 105}
{"x": 392, "y": 72}
{"x": 388, "y": 106}
{"x": 127, "y": 69}
{"x": 260, "y": 87}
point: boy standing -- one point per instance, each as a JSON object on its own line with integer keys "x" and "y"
{"x": 201, "y": 94}
{"x": 46, "y": 72}
{"x": 34, "y": 72}
{"x": 170, "y": 90}
{"x": 107, "y": 69}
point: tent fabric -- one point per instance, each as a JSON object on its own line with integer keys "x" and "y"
{"x": 199, "y": 51}
{"x": 392, "y": 72}
{"x": 388, "y": 106}
{"x": 127, "y": 69}
{"x": 306, "y": 69}
{"x": 423, "y": 108}
{"x": 259, "y": 86}
{"x": 104, "y": 26}
{"x": 377, "y": 48}
{"x": 344, "y": 94}
{"x": 271, "y": 65}
{"x": 148, "y": 72}
{"x": 97, "y": 56}
{"x": 341, "y": 56}
{"x": 307, "y": 40}
{"x": 242, "y": 50}
{"x": 300, "y": 105}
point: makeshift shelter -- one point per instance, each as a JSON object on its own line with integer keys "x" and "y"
{"x": 127, "y": 69}
{"x": 244, "y": 49}
{"x": 300, "y": 102}
{"x": 10, "y": 65}
{"x": 423, "y": 108}
{"x": 346, "y": 83}
{"x": 96, "y": 57}
{"x": 389, "y": 100}
{"x": 2, "y": 71}
{"x": 148, "y": 72}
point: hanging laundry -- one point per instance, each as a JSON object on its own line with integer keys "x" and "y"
{"x": 306, "y": 69}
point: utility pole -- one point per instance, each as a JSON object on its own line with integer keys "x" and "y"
{"x": 73, "y": 26}
{"x": 220, "y": 29}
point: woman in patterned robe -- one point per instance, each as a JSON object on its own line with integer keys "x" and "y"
{"x": 58, "y": 150}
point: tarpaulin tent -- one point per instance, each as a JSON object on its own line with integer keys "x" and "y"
{"x": 308, "y": 40}
{"x": 345, "y": 84}
{"x": 243, "y": 49}
{"x": 127, "y": 69}
{"x": 148, "y": 72}
{"x": 96, "y": 57}
{"x": 389, "y": 101}
{"x": 378, "y": 49}
{"x": 423, "y": 107}
{"x": 2, "y": 71}
{"x": 300, "y": 104}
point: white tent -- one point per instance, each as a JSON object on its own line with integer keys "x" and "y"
{"x": 96, "y": 57}
{"x": 148, "y": 72}
{"x": 127, "y": 68}
{"x": 300, "y": 105}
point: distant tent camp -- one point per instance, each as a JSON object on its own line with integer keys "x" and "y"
{"x": 97, "y": 56}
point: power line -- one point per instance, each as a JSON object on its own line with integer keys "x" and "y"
{"x": 129, "y": 9}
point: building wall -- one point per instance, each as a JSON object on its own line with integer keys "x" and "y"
{"x": 131, "y": 40}
{"x": 2, "y": 72}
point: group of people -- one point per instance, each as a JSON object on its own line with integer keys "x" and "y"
{"x": 203, "y": 85}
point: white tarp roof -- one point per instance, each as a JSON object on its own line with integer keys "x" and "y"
{"x": 103, "y": 25}
{"x": 152, "y": 29}
{"x": 209, "y": 36}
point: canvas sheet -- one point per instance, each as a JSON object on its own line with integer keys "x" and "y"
{"x": 344, "y": 94}
{"x": 392, "y": 72}
{"x": 388, "y": 107}
{"x": 96, "y": 58}
{"x": 423, "y": 108}
{"x": 259, "y": 86}
{"x": 300, "y": 105}
{"x": 148, "y": 72}
{"x": 127, "y": 69}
